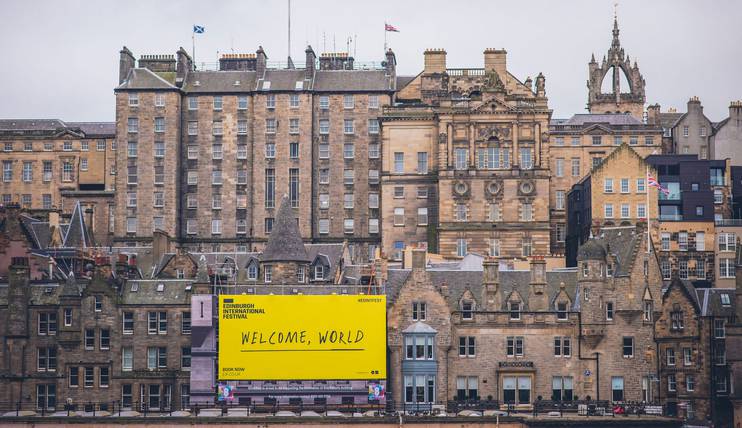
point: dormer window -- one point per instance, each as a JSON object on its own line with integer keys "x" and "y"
{"x": 725, "y": 301}
{"x": 319, "y": 273}
{"x": 515, "y": 310}
{"x": 252, "y": 272}
{"x": 467, "y": 310}
{"x": 179, "y": 273}
{"x": 585, "y": 270}
{"x": 562, "y": 310}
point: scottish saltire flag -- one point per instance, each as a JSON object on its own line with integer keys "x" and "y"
{"x": 654, "y": 183}
{"x": 199, "y": 29}
{"x": 390, "y": 27}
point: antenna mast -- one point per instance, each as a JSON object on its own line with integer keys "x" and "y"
{"x": 289, "y": 57}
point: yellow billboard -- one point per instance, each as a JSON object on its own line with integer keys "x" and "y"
{"x": 302, "y": 337}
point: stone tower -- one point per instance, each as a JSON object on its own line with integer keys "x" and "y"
{"x": 285, "y": 257}
{"x": 620, "y": 100}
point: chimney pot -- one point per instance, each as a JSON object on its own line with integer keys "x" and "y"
{"x": 435, "y": 61}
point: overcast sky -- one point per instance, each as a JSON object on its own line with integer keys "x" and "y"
{"x": 60, "y": 57}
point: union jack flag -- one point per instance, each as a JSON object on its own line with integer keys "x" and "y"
{"x": 390, "y": 27}
{"x": 654, "y": 183}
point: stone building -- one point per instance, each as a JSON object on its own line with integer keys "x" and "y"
{"x": 623, "y": 76}
{"x": 231, "y": 142}
{"x": 49, "y": 164}
{"x": 95, "y": 338}
{"x": 466, "y": 161}
{"x": 615, "y": 192}
{"x": 579, "y": 144}
{"x": 479, "y": 333}
{"x": 694, "y": 376}
{"x": 683, "y": 133}
{"x": 726, "y": 141}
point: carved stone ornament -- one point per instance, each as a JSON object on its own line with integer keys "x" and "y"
{"x": 526, "y": 187}
{"x": 460, "y": 188}
{"x": 494, "y": 188}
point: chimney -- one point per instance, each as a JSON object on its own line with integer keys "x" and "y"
{"x": 160, "y": 245}
{"x": 55, "y": 239}
{"x": 694, "y": 104}
{"x": 183, "y": 67}
{"x": 490, "y": 281}
{"x": 19, "y": 276}
{"x": 491, "y": 267}
{"x": 158, "y": 63}
{"x": 126, "y": 63}
{"x": 311, "y": 59}
{"x": 435, "y": 61}
{"x": 735, "y": 111}
{"x": 89, "y": 222}
{"x": 653, "y": 114}
{"x": 390, "y": 65}
{"x": 496, "y": 59}
{"x": 335, "y": 61}
{"x": 538, "y": 274}
{"x": 103, "y": 268}
{"x": 261, "y": 62}
{"x": 237, "y": 62}
{"x": 418, "y": 259}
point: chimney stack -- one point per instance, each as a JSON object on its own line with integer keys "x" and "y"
{"x": 311, "y": 59}
{"x": 496, "y": 59}
{"x": 653, "y": 114}
{"x": 418, "y": 259}
{"x": 158, "y": 63}
{"x": 183, "y": 67}
{"x": 694, "y": 104}
{"x": 435, "y": 61}
{"x": 335, "y": 61}
{"x": 538, "y": 274}
{"x": 735, "y": 111}
{"x": 126, "y": 63}
{"x": 261, "y": 62}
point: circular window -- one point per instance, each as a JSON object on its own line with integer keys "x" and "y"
{"x": 493, "y": 188}
{"x": 460, "y": 188}
{"x": 526, "y": 187}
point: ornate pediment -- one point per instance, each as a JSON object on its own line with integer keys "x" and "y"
{"x": 493, "y": 131}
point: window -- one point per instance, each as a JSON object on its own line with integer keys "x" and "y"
{"x": 702, "y": 131}
{"x": 608, "y": 185}
{"x": 154, "y": 396}
{"x": 718, "y": 196}
{"x": 670, "y": 356}
{"x": 105, "y": 339}
{"x": 677, "y": 320}
{"x": 683, "y": 269}
{"x": 690, "y": 383}
{"x": 628, "y": 347}
{"x": 270, "y": 99}
{"x": 156, "y": 358}
{"x": 47, "y": 359}
{"x": 467, "y": 388}
{"x": 726, "y": 268}
{"x": 515, "y": 311}
{"x": 103, "y": 377}
{"x": 267, "y": 273}
{"x": 185, "y": 358}
{"x": 494, "y": 247}
{"x": 133, "y": 99}
{"x": 398, "y": 162}
{"x": 683, "y": 241}
{"x": 348, "y": 225}
{"x": 559, "y": 141}
{"x": 461, "y": 247}
{"x": 216, "y": 226}
{"x": 671, "y": 383}
{"x": 516, "y": 389}
{"x": 373, "y": 225}
{"x": 157, "y": 322}
{"x": 46, "y": 396}
{"x": 294, "y": 100}
{"x": 89, "y": 377}
{"x": 687, "y": 356}
{"x": 467, "y": 346}
{"x": 422, "y": 216}
{"x": 561, "y": 310}
{"x": 242, "y": 102}
{"x": 617, "y": 388}
{"x": 67, "y": 145}
{"x": 418, "y": 347}
{"x": 625, "y": 210}
{"x": 727, "y": 242}
{"x": 128, "y": 323}
{"x": 575, "y": 167}
{"x": 373, "y": 150}
{"x": 648, "y": 308}
{"x": 719, "y": 329}
{"x": 319, "y": 273}
{"x": 495, "y": 212}
{"x": 270, "y": 188}
{"x": 324, "y": 201}
{"x": 373, "y": 101}
{"x": 294, "y": 187}
{"x": 648, "y": 140}
{"x": 461, "y": 158}
{"x": 418, "y": 311}
{"x": 608, "y": 210}
{"x": 348, "y": 126}
{"x": 74, "y": 377}
{"x": 526, "y": 247}
{"x": 562, "y": 388}
{"x": 324, "y": 226}
{"x": 348, "y": 150}
{"x": 460, "y": 212}
{"x": 617, "y": 140}
{"x": 373, "y": 126}
{"x": 514, "y": 346}
{"x": 89, "y": 339}
{"x": 560, "y": 167}
{"x": 132, "y": 125}
{"x": 467, "y": 310}
{"x": 348, "y": 177}
{"x": 422, "y": 162}
{"x": 47, "y": 323}
{"x": 159, "y": 199}
{"x": 348, "y": 102}
{"x": 597, "y": 140}
{"x": 526, "y": 158}
{"x": 373, "y": 176}
{"x": 270, "y": 126}
{"x": 324, "y": 102}
{"x": 159, "y": 124}
{"x": 47, "y": 175}
{"x": 293, "y": 126}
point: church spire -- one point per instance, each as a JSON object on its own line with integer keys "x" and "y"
{"x": 616, "y": 44}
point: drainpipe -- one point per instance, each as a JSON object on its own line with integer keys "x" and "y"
{"x": 580, "y": 357}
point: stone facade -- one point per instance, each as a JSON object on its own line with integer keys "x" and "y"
{"x": 483, "y": 133}
{"x": 51, "y": 165}
{"x": 482, "y": 333}
{"x": 238, "y": 139}
{"x": 725, "y": 142}
{"x": 684, "y": 133}
{"x": 94, "y": 340}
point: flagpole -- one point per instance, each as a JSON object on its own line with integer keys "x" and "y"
{"x": 384, "y": 37}
{"x": 193, "y": 48}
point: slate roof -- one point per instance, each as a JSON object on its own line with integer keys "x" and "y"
{"x": 711, "y": 305}
{"x": 351, "y": 80}
{"x": 77, "y": 235}
{"x": 612, "y": 119}
{"x": 620, "y": 242}
{"x": 333, "y": 253}
{"x": 143, "y": 78}
{"x": 669, "y": 120}
{"x": 173, "y": 292}
{"x": 459, "y": 281}
{"x": 95, "y": 129}
{"x": 57, "y": 126}
{"x": 283, "y": 80}
{"x": 31, "y": 124}
{"x": 403, "y": 81}
{"x": 74, "y": 234}
{"x": 285, "y": 244}
{"x": 419, "y": 327}
{"x": 219, "y": 81}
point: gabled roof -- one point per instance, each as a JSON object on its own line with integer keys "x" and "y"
{"x": 611, "y": 119}
{"x": 77, "y": 235}
{"x": 687, "y": 288}
{"x": 711, "y": 304}
{"x": 403, "y": 81}
{"x": 143, "y": 78}
{"x": 419, "y": 327}
{"x": 285, "y": 243}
